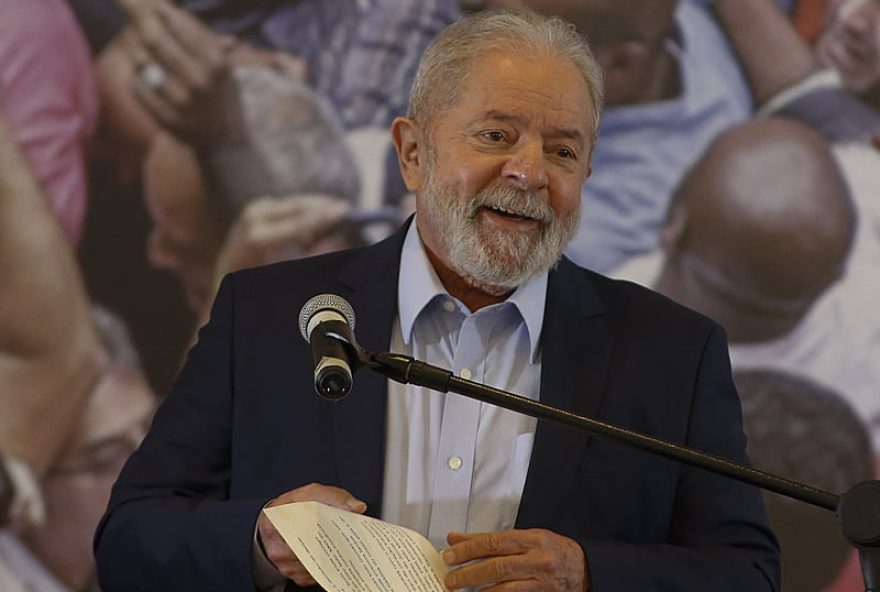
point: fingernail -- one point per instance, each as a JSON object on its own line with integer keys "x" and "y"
{"x": 356, "y": 505}
{"x": 449, "y": 556}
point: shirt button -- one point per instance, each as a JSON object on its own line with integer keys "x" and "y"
{"x": 465, "y": 373}
{"x": 449, "y": 305}
{"x": 454, "y": 463}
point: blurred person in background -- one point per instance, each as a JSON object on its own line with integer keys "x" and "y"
{"x": 760, "y": 237}
{"x": 275, "y": 181}
{"x": 360, "y": 56}
{"x": 158, "y": 63}
{"x": 806, "y": 432}
{"x": 50, "y": 356}
{"x": 120, "y": 276}
{"x": 49, "y": 102}
{"x": 133, "y": 110}
{"x": 56, "y": 556}
{"x": 787, "y": 79}
{"x": 850, "y": 44}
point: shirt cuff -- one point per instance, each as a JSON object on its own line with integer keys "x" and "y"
{"x": 823, "y": 79}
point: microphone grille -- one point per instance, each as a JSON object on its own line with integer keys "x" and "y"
{"x": 324, "y": 302}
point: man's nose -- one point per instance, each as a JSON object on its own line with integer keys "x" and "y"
{"x": 526, "y": 168}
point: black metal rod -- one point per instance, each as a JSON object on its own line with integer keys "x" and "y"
{"x": 716, "y": 464}
{"x": 408, "y": 370}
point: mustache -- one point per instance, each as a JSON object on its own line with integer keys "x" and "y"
{"x": 511, "y": 201}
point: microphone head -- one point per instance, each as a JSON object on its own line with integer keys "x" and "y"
{"x": 324, "y": 302}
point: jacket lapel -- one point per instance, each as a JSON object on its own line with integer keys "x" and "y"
{"x": 369, "y": 283}
{"x": 576, "y": 347}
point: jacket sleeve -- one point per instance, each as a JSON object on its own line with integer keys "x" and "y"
{"x": 719, "y": 539}
{"x": 170, "y": 524}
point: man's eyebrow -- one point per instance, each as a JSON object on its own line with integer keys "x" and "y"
{"x": 563, "y": 132}
{"x": 556, "y": 132}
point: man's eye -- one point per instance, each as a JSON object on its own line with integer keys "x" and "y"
{"x": 494, "y": 136}
{"x": 566, "y": 153}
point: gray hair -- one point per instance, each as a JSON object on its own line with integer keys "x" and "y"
{"x": 287, "y": 140}
{"x": 447, "y": 61}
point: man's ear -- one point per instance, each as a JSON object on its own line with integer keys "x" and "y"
{"x": 409, "y": 141}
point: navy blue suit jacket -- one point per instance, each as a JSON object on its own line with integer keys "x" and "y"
{"x": 243, "y": 425}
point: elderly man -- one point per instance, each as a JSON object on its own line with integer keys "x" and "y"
{"x": 497, "y": 144}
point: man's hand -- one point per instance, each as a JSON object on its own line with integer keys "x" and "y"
{"x": 274, "y": 229}
{"x": 180, "y": 65}
{"x": 178, "y": 61}
{"x": 276, "y": 549}
{"x": 534, "y": 559}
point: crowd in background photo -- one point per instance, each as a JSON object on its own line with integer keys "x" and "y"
{"x": 148, "y": 148}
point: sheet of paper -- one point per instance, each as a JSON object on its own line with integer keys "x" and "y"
{"x": 347, "y": 552}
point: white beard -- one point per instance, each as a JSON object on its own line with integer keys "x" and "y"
{"x": 492, "y": 260}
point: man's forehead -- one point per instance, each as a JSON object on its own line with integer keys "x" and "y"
{"x": 495, "y": 69}
{"x": 505, "y": 86}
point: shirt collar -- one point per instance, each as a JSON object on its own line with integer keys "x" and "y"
{"x": 418, "y": 284}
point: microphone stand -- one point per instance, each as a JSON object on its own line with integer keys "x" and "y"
{"x": 858, "y": 510}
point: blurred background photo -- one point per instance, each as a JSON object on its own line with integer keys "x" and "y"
{"x": 149, "y": 147}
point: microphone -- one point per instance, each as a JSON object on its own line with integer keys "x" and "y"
{"x": 327, "y": 322}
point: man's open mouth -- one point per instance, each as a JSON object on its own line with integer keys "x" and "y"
{"x": 507, "y": 213}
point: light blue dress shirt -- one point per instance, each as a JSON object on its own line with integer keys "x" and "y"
{"x": 453, "y": 463}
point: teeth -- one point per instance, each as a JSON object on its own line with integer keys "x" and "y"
{"x": 507, "y": 211}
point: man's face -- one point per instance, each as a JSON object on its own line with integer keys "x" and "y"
{"x": 504, "y": 166}
{"x": 186, "y": 235}
{"x": 77, "y": 488}
{"x": 850, "y": 42}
